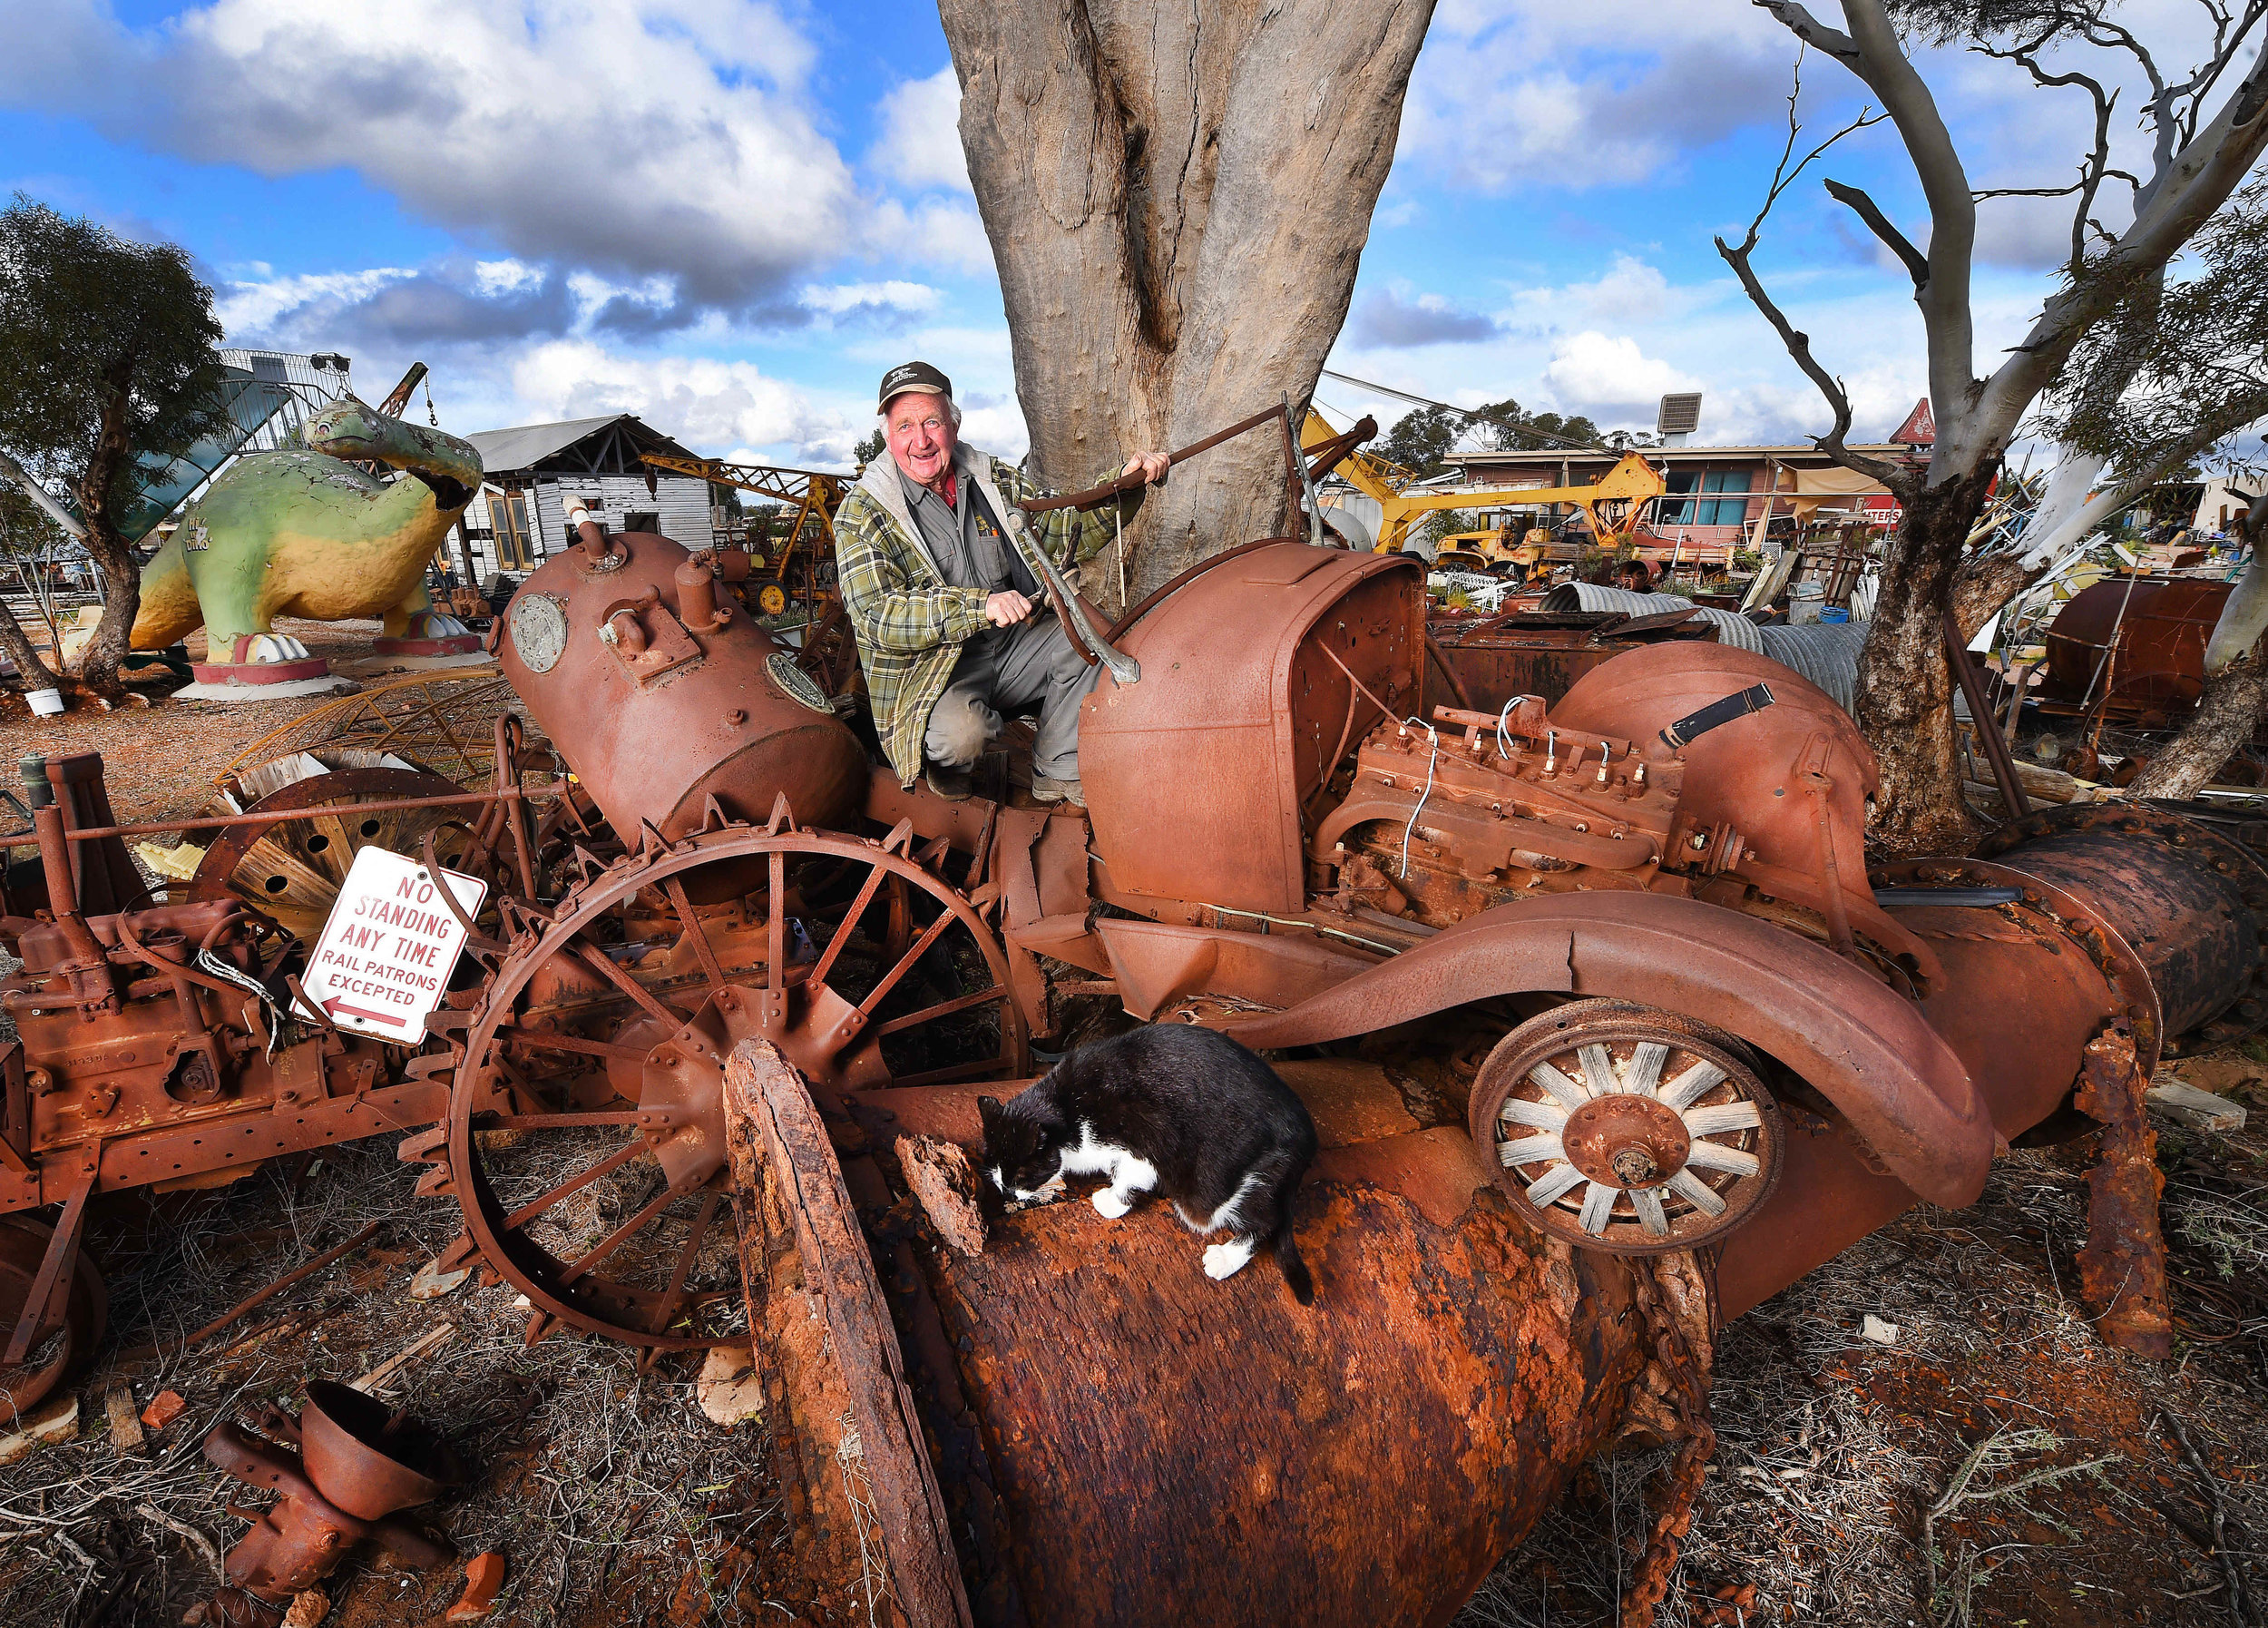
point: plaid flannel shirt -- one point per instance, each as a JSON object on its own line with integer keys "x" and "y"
{"x": 910, "y": 625}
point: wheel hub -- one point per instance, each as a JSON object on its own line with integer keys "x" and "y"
{"x": 1626, "y": 1141}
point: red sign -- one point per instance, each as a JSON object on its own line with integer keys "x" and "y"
{"x": 1920, "y": 429}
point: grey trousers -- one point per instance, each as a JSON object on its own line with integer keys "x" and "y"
{"x": 1004, "y": 670}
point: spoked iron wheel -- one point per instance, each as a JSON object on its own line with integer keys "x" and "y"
{"x": 1626, "y": 1128}
{"x": 598, "y": 1052}
{"x": 22, "y": 1246}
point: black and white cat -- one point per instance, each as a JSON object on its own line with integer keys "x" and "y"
{"x": 1175, "y": 1109}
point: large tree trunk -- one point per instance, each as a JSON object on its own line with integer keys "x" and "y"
{"x": 97, "y": 670}
{"x": 1905, "y": 689}
{"x": 98, "y": 664}
{"x": 1106, "y": 140}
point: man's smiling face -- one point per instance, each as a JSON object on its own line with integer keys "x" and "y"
{"x": 920, "y": 431}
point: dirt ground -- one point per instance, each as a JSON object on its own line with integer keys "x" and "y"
{"x": 161, "y": 760}
{"x": 2064, "y": 1497}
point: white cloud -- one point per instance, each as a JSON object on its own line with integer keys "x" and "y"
{"x": 628, "y": 137}
{"x": 912, "y": 298}
{"x": 920, "y": 146}
{"x": 251, "y": 306}
{"x": 934, "y": 232}
{"x": 1612, "y": 92}
{"x": 494, "y": 277}
{"x": 700, "y": 401}
{"x": 1600, "y": 373}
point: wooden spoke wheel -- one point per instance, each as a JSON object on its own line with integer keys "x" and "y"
{"x": 1626, "y": 1128}
{"x": 294, "y": 869}
{"x": 52, "y": 1356}
{"x": 597, "y": 1050}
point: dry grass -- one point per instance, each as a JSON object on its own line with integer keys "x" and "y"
{"x": 613, "y": 1498}
{"x": 2079, "y": 1507}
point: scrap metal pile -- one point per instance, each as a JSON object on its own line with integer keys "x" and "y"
{"x": 755, "y": 987}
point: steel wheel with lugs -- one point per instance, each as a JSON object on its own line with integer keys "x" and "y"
{"x": 585, "y": 1138}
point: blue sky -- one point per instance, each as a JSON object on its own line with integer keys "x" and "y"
{"x": 729, "y": 217}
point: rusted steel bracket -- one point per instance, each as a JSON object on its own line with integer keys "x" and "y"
{"x": 2122, "y": 1268}
{"x": 44, "y": 1305}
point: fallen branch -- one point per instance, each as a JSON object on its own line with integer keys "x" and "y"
{"x": 431, "y": 1340}
{"x": 196, "y": 1539}
{"x": 2240, "y": 1601}
{"x": 1995, "y": 1451}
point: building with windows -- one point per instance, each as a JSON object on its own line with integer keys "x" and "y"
{"x": 1718, "y": 496}
{"x": 520, "y": 518}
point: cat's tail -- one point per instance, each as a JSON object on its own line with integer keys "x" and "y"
{"x": 1287, "y": 1257}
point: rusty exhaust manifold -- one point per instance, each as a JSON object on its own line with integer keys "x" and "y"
{"x": 358, "y": 1464}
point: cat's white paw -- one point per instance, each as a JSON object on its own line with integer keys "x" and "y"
{"x": 1226, "y": 1260}
{"x": 1110, "y": 1203}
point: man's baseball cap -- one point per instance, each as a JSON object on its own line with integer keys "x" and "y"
{"x": 913, "y": 376}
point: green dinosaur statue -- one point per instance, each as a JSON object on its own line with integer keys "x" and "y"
{"x": 305, "y": 534}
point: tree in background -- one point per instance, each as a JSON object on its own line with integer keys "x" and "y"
{"x": 868, "y": 449}
{"x": 1423, "y": 437}
{"x": 2194, "y": 350}
{"x": 108, "y": 370}
{"x": 1178, "y": 200}
{"x": 30, "y": 543}
{"x": 2206, "y": 131}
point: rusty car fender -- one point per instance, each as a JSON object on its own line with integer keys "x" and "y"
{"x": 1867, "y": 1049}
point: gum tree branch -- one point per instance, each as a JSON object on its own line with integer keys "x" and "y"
{"x": 1853, "y": 199}
{"x": 1874, "y": 54}
{"x": 1798, "y": 343}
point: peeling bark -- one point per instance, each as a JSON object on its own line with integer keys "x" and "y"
{"x": 1905, "y": 688}
{"x": 1106, "y": 139}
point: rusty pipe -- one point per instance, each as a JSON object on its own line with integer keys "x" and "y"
{"x": 698, "y": 606}
{"x": 63, "y": 888}
{"x": 1982, "y": 725}
{"x": 600, "y": 552}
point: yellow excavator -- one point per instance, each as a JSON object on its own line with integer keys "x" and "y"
{"x": 1611, "y": 507}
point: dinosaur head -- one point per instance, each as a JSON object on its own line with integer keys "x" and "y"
{"x": 356, "y": 431}
{"x": 349, "y": 429}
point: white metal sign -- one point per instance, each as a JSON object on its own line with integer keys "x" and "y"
{"x": 386, "y": 951}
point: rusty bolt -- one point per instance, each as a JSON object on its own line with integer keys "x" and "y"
{"x": 736, "y": 717}
{"x": 1633, "y": 1165}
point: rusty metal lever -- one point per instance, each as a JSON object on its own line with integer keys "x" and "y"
{"x": 1124, "y": 668}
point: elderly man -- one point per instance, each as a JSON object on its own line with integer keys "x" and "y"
{"x": 952, "y": 633}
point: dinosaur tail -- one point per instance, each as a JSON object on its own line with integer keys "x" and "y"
{"x": 169, "y": 608}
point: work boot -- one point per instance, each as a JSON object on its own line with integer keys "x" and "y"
{"x": 952, "y": 784}
{"x": 1058, "y": 791}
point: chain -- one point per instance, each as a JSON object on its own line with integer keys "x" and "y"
{"x": 1689, "y": 1399}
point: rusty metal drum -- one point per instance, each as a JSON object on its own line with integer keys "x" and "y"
{"x": 661, "y": 692}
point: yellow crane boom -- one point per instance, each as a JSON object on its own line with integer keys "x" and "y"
{"x": 808, "y": 492}
{"x": 1622, "y": 493}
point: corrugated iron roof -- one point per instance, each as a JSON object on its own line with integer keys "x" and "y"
{"x": 506, "y": 451}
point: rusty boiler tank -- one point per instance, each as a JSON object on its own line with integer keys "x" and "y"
{"x": 661, "y": 691}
